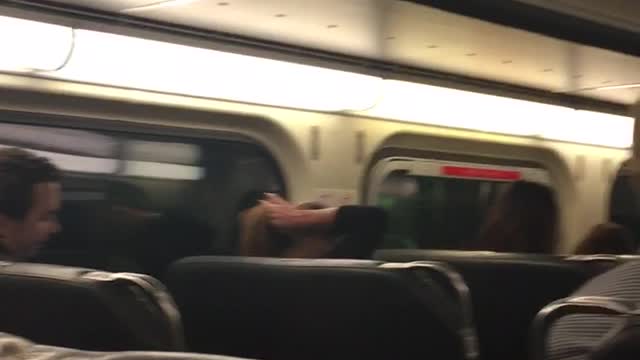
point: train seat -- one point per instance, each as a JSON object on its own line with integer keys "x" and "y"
{"x": 87, "y": 309}
{"x": 507, "y": 290}
{"x": 290, "y": 309}
{"x": 14, "y": 347}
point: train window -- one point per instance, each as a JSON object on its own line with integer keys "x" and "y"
{"x": 440, "y": 205}
{"x": 115, "y": 183}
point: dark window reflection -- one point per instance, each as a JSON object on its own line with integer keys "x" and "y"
{"x": 135, "y": 202}
{"x": 435, "y": 212}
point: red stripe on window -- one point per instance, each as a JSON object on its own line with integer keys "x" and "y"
{"x": 467, "y": 172}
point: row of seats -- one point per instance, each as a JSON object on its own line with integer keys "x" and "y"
{"x": 508, "y": 290}
{"x": 318, "y": 309}
{"x": 406, "y": 304}
{"x": 256, "y": 308}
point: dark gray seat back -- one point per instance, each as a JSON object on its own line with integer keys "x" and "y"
{"x": 317, "y": 309}
{"x": 87, "y": 309}
{"x": 508, "y": 290}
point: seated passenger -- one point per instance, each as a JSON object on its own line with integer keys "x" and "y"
{"x": 169, "y": 237}
{"x": 607, "y": 238}
{"x": 142, "y": 240}
{"x": 30, "y": 198}
{"x": 574, "y": 337}
{"x": 126, "y": 212}
{"x": 278, "y": 228}
{"x": 525, "y": 219}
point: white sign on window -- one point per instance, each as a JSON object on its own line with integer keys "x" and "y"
{"x": 336, "y": 197}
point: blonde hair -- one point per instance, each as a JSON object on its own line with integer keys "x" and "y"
{"x": 254, "y": 234}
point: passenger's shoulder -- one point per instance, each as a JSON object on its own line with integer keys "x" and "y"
{"x": 623, "y": 280}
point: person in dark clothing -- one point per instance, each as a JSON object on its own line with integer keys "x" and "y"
{"x": 607, "y": 238}
{"x": 312, "y": 231}
{"x": 576, "y": 337}
{"x": 524, "y": 220}
{"x": 30, "y": 197}
{"x": 143, "y": 240}
{"x": 168, "y": 237}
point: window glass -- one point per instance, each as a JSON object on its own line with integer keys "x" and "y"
{"x": 126, "y": 194}
{"x": 441, "y": 205}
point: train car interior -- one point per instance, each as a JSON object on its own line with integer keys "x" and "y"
{"x": 336, "y": 179}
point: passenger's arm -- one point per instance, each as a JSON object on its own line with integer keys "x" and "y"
{"x": 288, "y": 218}
{"x": 361, "y": 228}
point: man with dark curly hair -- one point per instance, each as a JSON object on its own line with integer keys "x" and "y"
{"x": 30, "y": 197}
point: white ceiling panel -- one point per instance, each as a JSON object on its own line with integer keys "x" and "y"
{"x": 435, "y": 39}
{"x": 432, "y": 38}
{"x": 410, "y": 34}
{"x": 597, "y": 69}
{"x": 346, "y": 26}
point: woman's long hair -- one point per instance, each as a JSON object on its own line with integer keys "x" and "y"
{"x": 525, "y": 219}
{"x": 607, "y": 238}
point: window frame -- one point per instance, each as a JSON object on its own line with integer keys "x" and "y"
{"x": 431, "y": 168}
{"x": 146, "y": 131}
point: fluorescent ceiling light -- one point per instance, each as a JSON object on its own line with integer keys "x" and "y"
{"x": 163, "y": 170}
{"x": 588, "y": 127}
{"x": 434, "y": 105}
{"x": 439, "y": 106}
{"x": 152, "y": 65}
{"x": 33, "y": 46}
